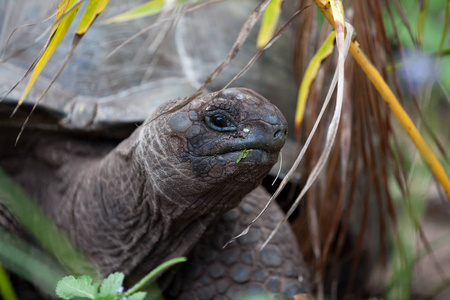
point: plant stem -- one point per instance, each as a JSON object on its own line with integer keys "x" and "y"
{"x": 153, "y": 273}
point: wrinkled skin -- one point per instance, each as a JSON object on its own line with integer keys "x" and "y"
{"x": 152, "y": 197}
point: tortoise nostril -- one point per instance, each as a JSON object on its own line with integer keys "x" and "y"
{"x": 279, "y": 133}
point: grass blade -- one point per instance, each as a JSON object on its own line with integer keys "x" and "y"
{"x": 343, "y": 47}
{"x": 444, "y": 27}
{"x": 6, "y": 288}
{"x": 422, "y": 20}
{"x": 42, "y": 229}
{"x": 29, "y": 262}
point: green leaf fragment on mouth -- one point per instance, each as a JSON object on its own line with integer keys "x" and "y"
{"x": 243, "y": 155}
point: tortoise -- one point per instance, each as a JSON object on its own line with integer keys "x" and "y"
{"x": 178, "y": 176}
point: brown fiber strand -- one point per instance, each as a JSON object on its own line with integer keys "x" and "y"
{"x": 360, "y": 242}
{"x": 370, "y": 94}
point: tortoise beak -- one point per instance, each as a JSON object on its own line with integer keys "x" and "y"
{"x": 266, "y": 136}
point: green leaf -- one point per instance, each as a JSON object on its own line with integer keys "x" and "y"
{"x": 137, "y": 296}
{"x": 243, "y": 155}
{"x": 69, "y": 287}
{"x": 111, "y": 284}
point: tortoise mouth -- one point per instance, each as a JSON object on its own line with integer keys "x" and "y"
{"x": 246, "y": 147}
{"x": 244, "y": 156}
{"x": 248, "y": 155}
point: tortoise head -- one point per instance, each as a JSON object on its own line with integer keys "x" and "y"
{"x": 215, "y": 149}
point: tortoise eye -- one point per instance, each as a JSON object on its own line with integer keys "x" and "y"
{"x": 220, "y": 122}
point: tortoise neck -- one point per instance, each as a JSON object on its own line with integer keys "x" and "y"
{"x": 120, "y": 216}
{"x": 106, "y": 208}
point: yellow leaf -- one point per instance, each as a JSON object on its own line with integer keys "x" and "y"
{"x": 310, "y": 74}
{"x": 58, "y": 32}
{"x": 269, "y": 23}
{"x": 337, "y": 9}
{"x": 147, "y": 9}
{"x": 102, "y": 6}
{"x": 93, "y": 9}
{"x": 62, "y": 7}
